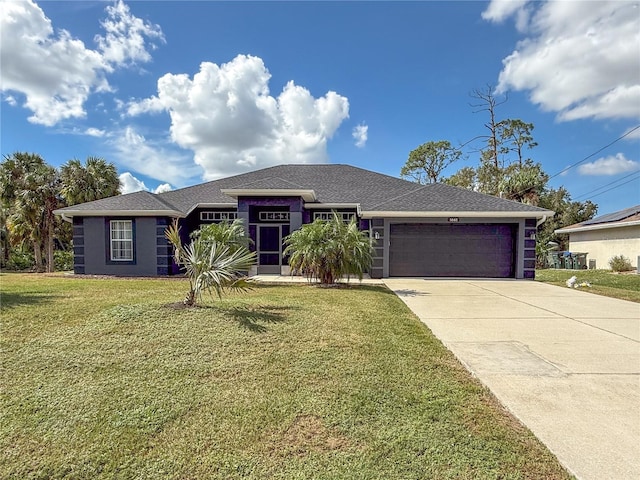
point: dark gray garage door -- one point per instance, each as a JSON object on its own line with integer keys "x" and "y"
{"x": 452, "y": 250}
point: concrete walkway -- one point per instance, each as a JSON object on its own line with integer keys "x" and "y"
{"x": 565, "y": 362}
{"x": 300, "y": 279}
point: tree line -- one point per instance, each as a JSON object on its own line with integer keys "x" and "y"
{"x": 30, "y": 191}
{"x": 504, "y": 169}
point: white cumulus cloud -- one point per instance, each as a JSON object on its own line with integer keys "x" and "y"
{"x": 163, "y": 187}
{"x": 95, "y": 132}
{"x": 57, "y": 73}
{"x": 125, "y": 39}
{"x": 130, "y": 184}
{"x": 500, "y": 10}
{"x": 579, "y": 59}
{"x": 152, "y": 158}
{"x": 360, "y": 133}
{"x": 226, "y": 115}
{"x": 612, "y": 165}
{"x": 10, "y": 99}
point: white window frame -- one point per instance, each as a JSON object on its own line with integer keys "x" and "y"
{"x": 274, "y": 216}
{"x": 327, "y": 216}
{"x": 217, "y": 216}
{"x": 120, "y": 235}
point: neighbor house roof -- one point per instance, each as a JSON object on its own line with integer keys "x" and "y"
{"x": 620, "y": 219}
{"x": 327, "y": 184}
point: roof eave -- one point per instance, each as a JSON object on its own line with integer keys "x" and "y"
{"x": 333, "y": 206}
{"x": 597, "y": 226}
{"x": 307, "y": 195}
{"x": 117, "y": 213}
{"x": 212, "y": 205}
{"x": 459, "y": 214}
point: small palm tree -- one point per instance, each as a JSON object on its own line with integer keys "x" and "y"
{"x": 210, "y": 265}
{"x": 328, "y": 250}
{"x": 230, "y": 234}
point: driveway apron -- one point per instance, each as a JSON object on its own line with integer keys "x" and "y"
{"x": 563, "y": 361}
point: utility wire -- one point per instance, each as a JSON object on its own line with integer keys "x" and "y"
{"x": 637, "y": 172}
{"x": 582, "y": 161}
{"x": 588, "y": 157}
{"x": 596, "y": 152}
{"x": 613, "y": 188}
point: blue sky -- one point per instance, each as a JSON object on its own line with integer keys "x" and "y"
{"x": 175, "y": 93}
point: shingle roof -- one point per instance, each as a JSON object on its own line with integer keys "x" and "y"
{"x": 274, "y": 183}
{"x": 440, "y": 197}
{"x": 134, "y": 202}
{"x": 331, "y": 183}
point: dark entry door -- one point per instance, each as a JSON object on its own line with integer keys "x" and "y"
{"x": 269, "y": 249}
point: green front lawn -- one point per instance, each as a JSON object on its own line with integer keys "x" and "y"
{"x": 104, "y": 378}
{"x": 603, "y": 282}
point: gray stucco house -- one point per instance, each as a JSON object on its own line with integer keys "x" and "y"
{"x": 430, "y": 230}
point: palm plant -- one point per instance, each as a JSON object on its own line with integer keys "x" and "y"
{"x": 328, "y": 250}
{"x": 84, "y": 183}
{"x": 30, "y": 193}
{"x": 229, "y": 234}
{"x": 5, "y": 244}
{"x": 210, "y": 265}
{"x": 20, "y": 225}
{"x": 524, "y": 183}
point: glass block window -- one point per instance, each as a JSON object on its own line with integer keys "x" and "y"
{"x": 121, "y": 240}
{"x": 212, "y": 216}
{"x": 326, "y": 216}
{"x": 274, "y": 216}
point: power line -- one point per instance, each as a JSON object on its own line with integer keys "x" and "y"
{"x": 588, "y": 157}
{"x": 584, "y": 160}
{"x": 613, "y": 188}
{"x": 637, "y": 172}
{"x": 596, "y": 152}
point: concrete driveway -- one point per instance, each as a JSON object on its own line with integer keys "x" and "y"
{"x": 565, "y": 362}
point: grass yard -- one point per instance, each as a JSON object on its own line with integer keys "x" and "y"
{"x": 103, "y": 378}
{"x": 603, "y": 282}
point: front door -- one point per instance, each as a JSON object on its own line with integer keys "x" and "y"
{"x": 269, "y": 249}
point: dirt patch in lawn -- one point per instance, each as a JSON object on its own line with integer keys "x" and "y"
{"x": 176, "y": 306}
{"x": 308, "y": 434}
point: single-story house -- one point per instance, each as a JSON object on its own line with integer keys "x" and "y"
{"x": 430, "y": 230}
{"x": 607, "y": 236}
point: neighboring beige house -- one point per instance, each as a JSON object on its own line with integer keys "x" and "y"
{"x": 606, "y": 236}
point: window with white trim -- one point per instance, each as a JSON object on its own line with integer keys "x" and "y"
{"x": 213, "y": 216}
{"x": 274, "y": 216}
{"x": 327, "y": 216}
{"x": 121, "y": 234}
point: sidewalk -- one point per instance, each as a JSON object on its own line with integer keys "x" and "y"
{"x": 300, "y": 279}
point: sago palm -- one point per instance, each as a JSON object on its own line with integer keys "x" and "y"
{"x": 229, "y": 234}
{"x": 210, "y": 265}
{"x": 328, "y": 250}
